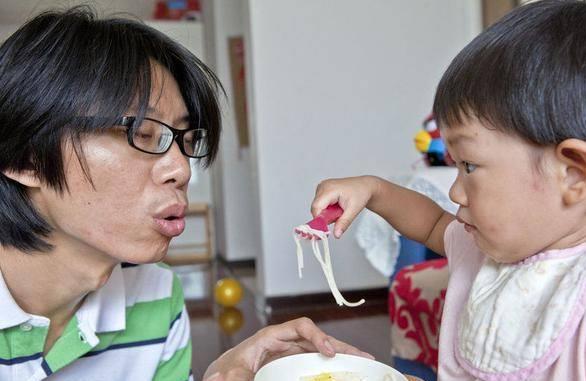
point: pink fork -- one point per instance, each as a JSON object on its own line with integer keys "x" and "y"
{"x": 320, "y": 222}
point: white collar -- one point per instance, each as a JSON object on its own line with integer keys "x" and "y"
{"x": 105, "y": 309}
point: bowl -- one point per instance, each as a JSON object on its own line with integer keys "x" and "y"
{"x": 292, "y": 368}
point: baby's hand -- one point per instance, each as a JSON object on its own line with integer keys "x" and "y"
{"x": 352, "y": 193}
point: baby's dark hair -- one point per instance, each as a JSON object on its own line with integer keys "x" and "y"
{"x": 525, "y": 75}
{"x": 63, "y": 66}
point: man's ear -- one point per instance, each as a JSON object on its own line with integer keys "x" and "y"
{"x": 27, "y": 177}
{"x": 572, "y": 154}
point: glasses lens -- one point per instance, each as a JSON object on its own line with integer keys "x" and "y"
{"x": 152, "y": 137}
{"x": 195, "y": 143}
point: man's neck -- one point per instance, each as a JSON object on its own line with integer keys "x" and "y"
{"x": 53, "y": 284}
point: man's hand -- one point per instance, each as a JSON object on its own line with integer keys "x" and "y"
{"x": 296, "y": 336}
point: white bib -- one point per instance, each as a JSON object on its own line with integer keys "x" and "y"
{"x": 519, "y": 317}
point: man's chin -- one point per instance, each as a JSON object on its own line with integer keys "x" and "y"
{"x": 158, "y": 257}
{"x": 152, "y": 257}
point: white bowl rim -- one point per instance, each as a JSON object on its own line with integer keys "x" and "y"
{"x": 393, "y": 371}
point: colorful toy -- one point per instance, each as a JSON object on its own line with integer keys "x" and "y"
{"x": 228, "y": 292}
{"x": 429, "y": 142}
{"x": 230, "y": 320}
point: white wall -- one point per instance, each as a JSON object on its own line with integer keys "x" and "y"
{"x": 6, "y": 30}
{"x": 338, "y": 89}
{"x": 236, "y": 210}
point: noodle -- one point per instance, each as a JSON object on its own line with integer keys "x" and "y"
{"x": 325, "y": 262}
{"x": 334, "y": 376}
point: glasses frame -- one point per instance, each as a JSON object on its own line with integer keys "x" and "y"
{"x": 129, "y": 123}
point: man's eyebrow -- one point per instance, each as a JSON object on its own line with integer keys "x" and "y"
{"x": 183, "y": 119}
{"x": 152, "y": 110}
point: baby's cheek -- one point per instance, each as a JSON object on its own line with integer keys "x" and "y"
{"x": 495, "y": 232}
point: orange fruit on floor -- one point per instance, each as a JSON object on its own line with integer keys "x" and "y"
{"x": 228, "y": 292}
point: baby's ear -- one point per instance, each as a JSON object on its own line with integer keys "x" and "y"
{"x": 572, "y": 154}
{"x": 28, "y": 177}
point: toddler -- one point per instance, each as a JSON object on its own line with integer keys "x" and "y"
{"x": 512, "y": 110}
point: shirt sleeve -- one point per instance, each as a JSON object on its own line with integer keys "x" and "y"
{"x": 175, "y": 364}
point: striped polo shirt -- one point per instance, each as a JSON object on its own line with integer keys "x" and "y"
{"x": 133, "y": 328}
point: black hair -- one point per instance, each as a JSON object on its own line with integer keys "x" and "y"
{"x": 63, "y": 66}
{"x": 525, "y": 75}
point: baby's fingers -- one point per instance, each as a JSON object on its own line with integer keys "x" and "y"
{"x": 322, "y": 201}
{"x": 345, "y": 220}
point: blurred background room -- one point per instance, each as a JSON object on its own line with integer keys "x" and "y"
{"x": 314, "y": 89}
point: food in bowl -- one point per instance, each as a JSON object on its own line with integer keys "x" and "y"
{"x": 334, "y": 376}
{"x": 312, "y": 366}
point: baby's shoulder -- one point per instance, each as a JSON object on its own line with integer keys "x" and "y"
{"x": 460, "y": 248}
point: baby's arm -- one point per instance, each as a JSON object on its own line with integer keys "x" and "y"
{"x": 413, "y": 215}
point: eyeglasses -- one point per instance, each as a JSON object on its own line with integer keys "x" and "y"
{"x": 155, "y": 137}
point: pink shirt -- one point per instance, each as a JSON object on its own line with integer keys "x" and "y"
{"x": 464, "y": 262}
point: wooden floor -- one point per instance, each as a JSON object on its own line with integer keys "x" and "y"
{"x": 216, "y": 329}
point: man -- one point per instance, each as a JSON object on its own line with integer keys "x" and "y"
{"x": 98, "y": 120}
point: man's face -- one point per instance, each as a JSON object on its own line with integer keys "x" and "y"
{"x": 128, "y": 213}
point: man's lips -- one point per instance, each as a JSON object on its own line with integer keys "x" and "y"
{"x": 170, "y": 227}
{"x": 172, "y": 211}
{"x": 170, "y": 221}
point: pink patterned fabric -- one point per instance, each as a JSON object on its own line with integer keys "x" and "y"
{"x": 416, "y": 299}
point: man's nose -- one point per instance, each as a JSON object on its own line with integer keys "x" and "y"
{"x": 173, "y": 167}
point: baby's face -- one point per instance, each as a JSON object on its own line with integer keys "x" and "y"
{"x": 509, "y": 196}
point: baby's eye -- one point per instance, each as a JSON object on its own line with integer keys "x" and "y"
{"x": 468, "y": 168}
